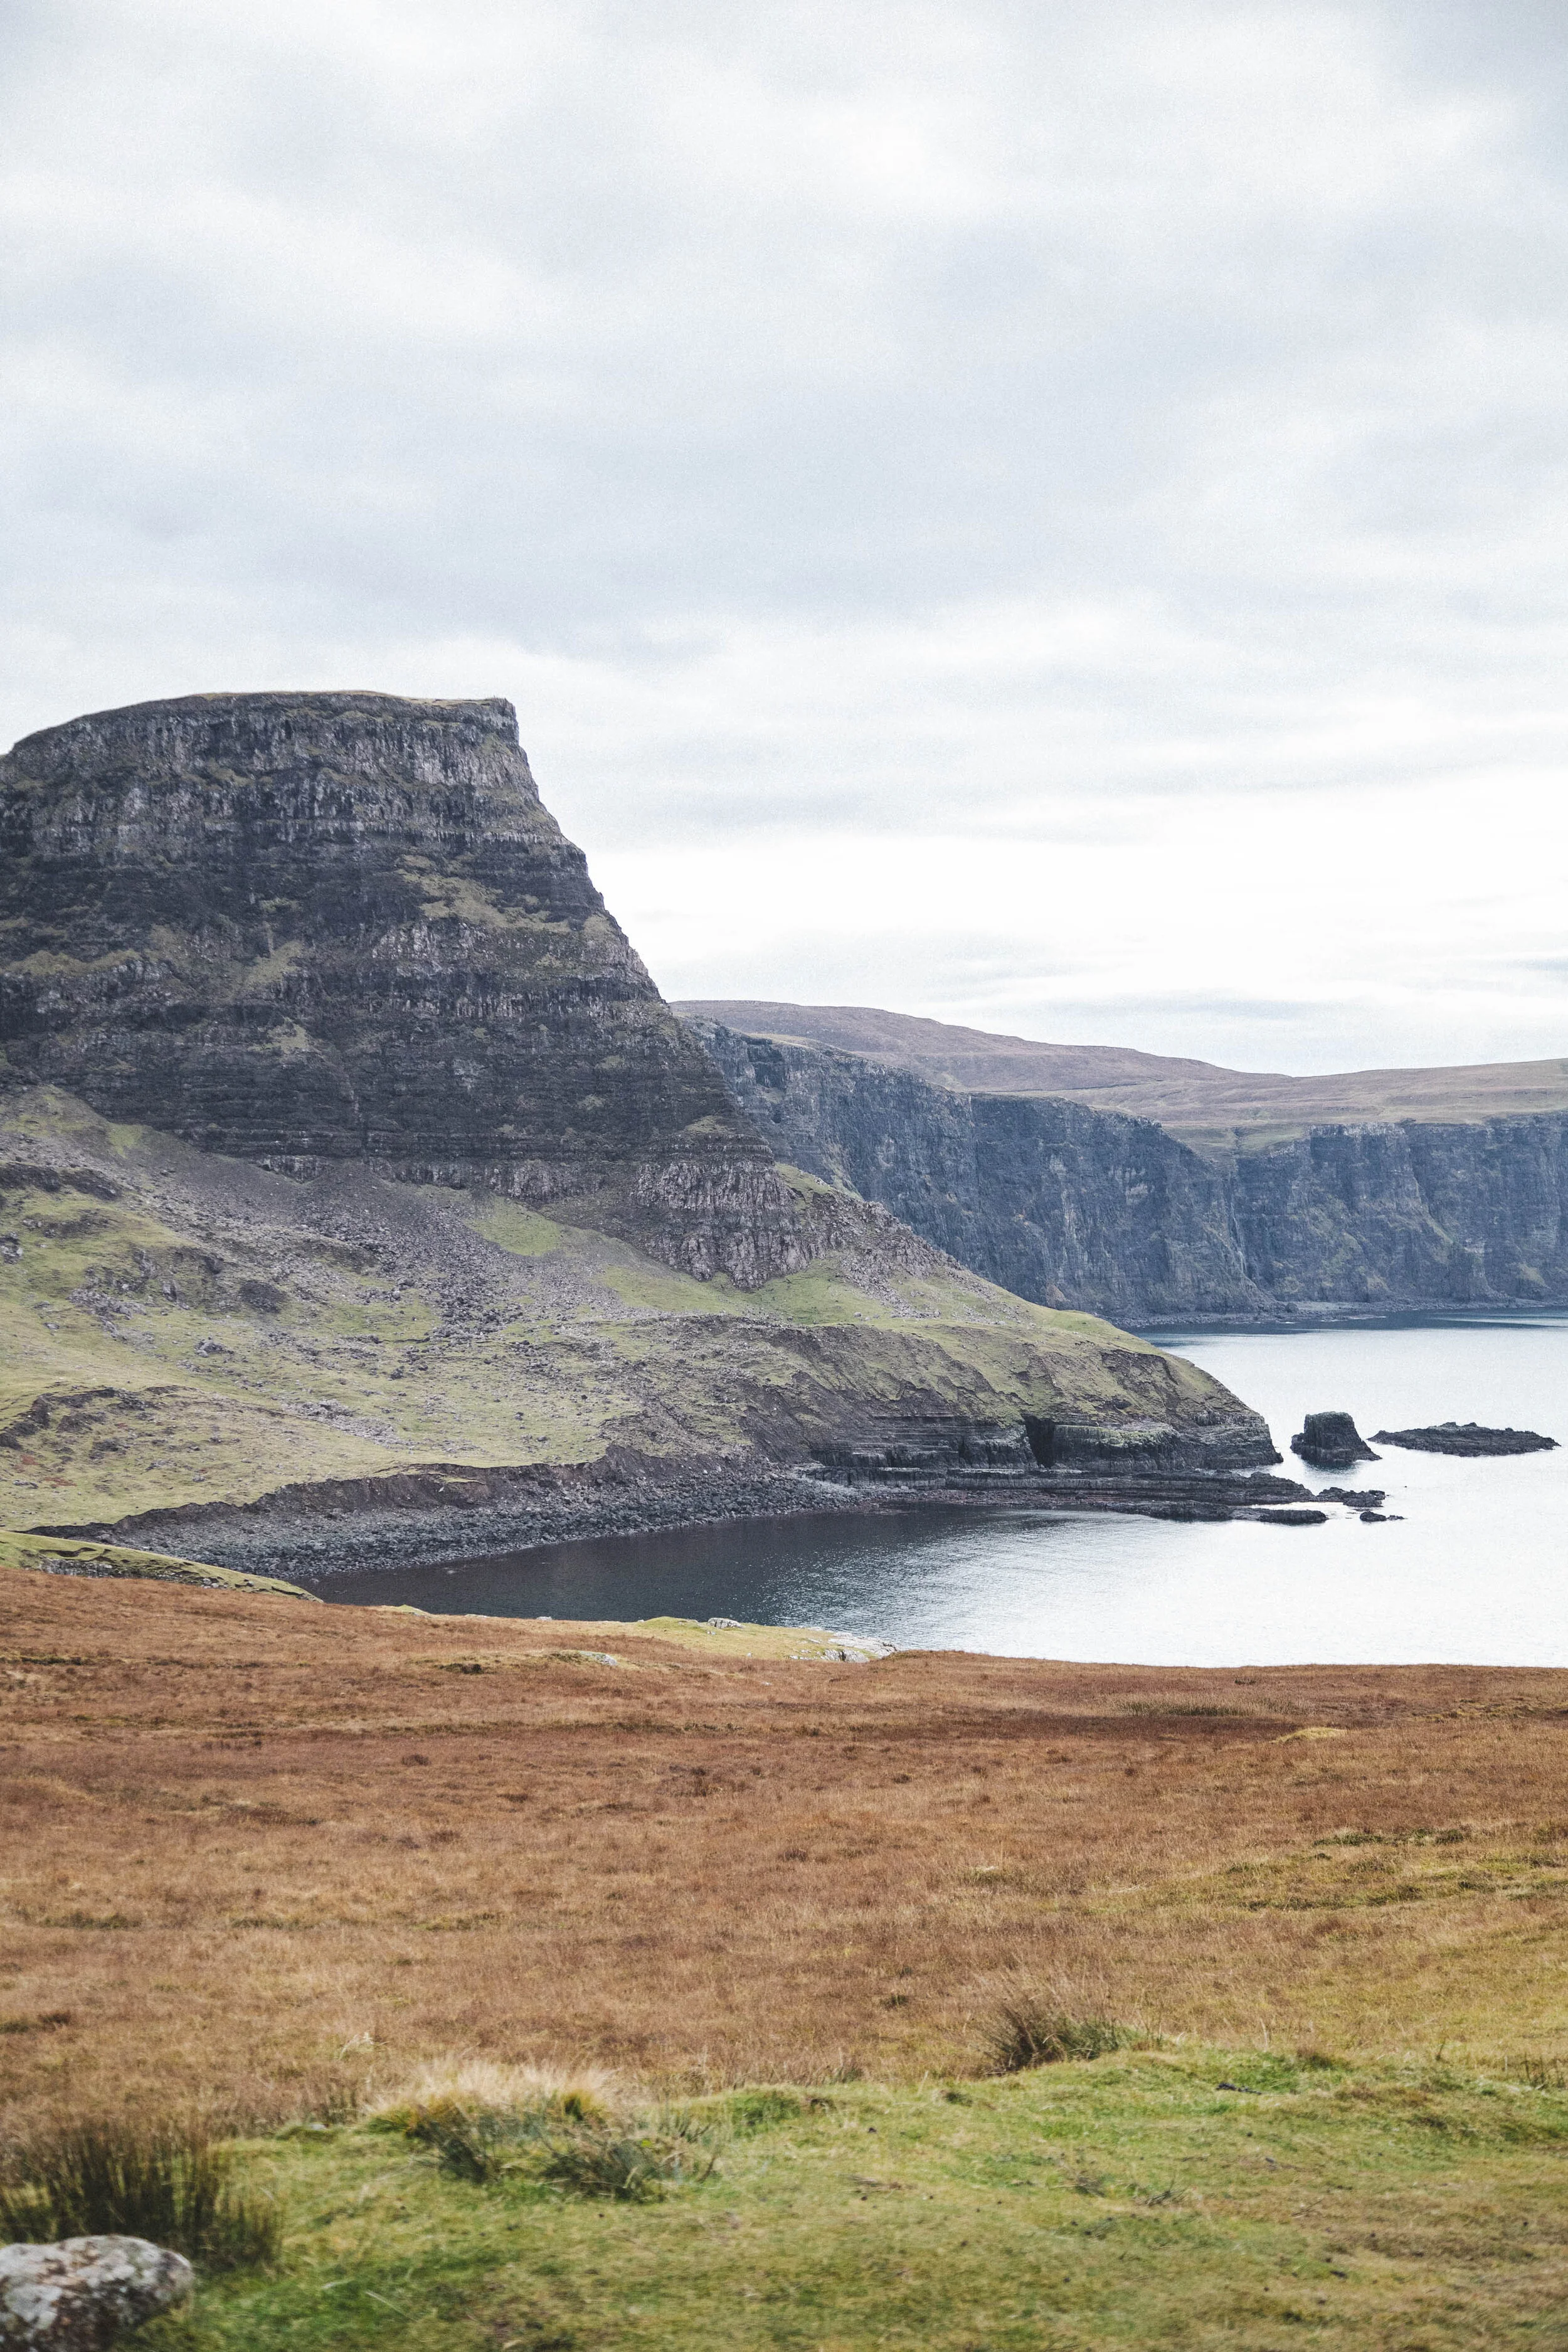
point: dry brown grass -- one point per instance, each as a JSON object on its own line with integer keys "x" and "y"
{"x": 259, "y": 1856}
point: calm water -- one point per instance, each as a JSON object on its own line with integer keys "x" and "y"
{"x": 1476, "y": 1569}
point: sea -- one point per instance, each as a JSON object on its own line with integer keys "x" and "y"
{"x": 1471, "y": 1566}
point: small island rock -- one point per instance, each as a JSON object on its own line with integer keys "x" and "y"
{"x": 1331, "y": 1440}
{"x": 82, "y": 2294}
{"x": 1467, "y": 1437}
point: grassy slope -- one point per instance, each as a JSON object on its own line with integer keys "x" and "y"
{"x": 56, "y": 1556}
{"x": 199, "y": 1330}
{"x": 258, "y": 1857}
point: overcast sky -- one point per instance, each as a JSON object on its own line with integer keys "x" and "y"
{"x": 1049, "y": 516}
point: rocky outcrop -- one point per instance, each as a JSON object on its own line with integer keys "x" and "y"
{"x": 1331, "y": 1440}
{"x": 83, "y": 2294}
{"x": 304, "y": 929}
{"x": 1467, "y": 1437}
{"x": 346, "y": 1152}
{"x": 1073, "y": 1205}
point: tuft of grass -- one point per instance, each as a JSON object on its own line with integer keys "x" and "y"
{"x": 571, "y": 2126}
{"x": 1540, "y": 2074}
{"x": 597, "y": 2162}
{"x": 122, "y": 2176}
{"x": 1024, "y": 2030}
{"x": 482, "y": 2086}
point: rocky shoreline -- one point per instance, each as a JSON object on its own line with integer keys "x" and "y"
{"x": 459, "y": 1513}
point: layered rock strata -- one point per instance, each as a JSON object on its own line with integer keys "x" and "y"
{"x": 306, "y": 928}
{"x": 357, "y": 1187}
{"x": 1075, "y": 1205}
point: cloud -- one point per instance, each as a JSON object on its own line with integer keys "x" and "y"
{"x": 968, "y": 439}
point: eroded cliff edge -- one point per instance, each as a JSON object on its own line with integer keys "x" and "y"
{"x": 305, "y": 930}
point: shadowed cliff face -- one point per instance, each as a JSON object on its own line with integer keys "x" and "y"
{"x": 1073, "y": 1205}
{"x": 1062, "y": 1203}
{"x": 307, "y": 929}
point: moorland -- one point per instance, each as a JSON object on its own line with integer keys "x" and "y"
{"x": 816, "y": 1924}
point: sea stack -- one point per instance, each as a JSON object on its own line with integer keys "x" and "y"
{"x": 1331, "y": 1440}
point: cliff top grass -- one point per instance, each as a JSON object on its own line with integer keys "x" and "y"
{"x": 1213, "y": 1109}
{"x": 278, "y": 1865}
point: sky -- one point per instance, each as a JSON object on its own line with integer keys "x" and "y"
{"x": 1046, "y": 516}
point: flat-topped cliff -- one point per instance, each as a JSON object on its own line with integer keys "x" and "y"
{"x": 1215, "y": 1110}
{"x": 301, "y": 929}
{"x": 1070, "y": 1203}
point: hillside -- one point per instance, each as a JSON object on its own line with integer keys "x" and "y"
{"x": 359, "y": 1190}
{"x": 1213, "y": 1109}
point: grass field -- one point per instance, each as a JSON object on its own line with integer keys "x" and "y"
{"x": 260, "y": 1861}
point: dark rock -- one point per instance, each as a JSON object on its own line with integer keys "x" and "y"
{"x": 1331, "y": 1440}
{"x": 337, "y": 944}
{"x": 304, "y": 929}
{"x": 1294, "y": 1518}
{"x": 82, "y": 2294}
{"x": 1466, "y": 1437}
{"x": 1378, "y": 1518}
{"x": 1062, "y": 1203}
{"x": 1358, "y": 1498}
{"x": 1075, "y": 1204}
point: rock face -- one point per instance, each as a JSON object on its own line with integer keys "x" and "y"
{"x": 1415, "y": 1213}
{"x": 1467, "y": 1437}
{"x": 305, "y": 929}
{"x": 81, "y": 2295}
{"x": 1072, "y": 1205}
{"x": 1064, "y": 1205}
{"x": 1331, "y": 1440}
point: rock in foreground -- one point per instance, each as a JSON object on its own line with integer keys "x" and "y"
{"x": 1467, "y": 1437}
{"x": 1331, "y": 1440}
{"x": 82, "y": 2294}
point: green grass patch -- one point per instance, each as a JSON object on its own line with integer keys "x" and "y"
{"x": 1186, "y": 2198}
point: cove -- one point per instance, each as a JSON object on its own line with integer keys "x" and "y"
{"x": 1475, "y": 1570}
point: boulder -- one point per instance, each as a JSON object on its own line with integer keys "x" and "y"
{"x": 1331, "y": 1440}
{"x": 82, "y": 2294}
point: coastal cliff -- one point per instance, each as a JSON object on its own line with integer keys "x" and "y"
{"x": 362, "y": 1198}
{"x": 1071, "y": 1205}
{"x": 1053, "y": 1200}
{"x": 309, "y": 929}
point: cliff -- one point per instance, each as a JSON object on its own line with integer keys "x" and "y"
{"x": 309, "y": 929}
{"x": 1214, "y": 1109}
{"x": 359, "y": 1190}
{"x": 1055, "y": 1201}
{"x": 1070, "y": 1205}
